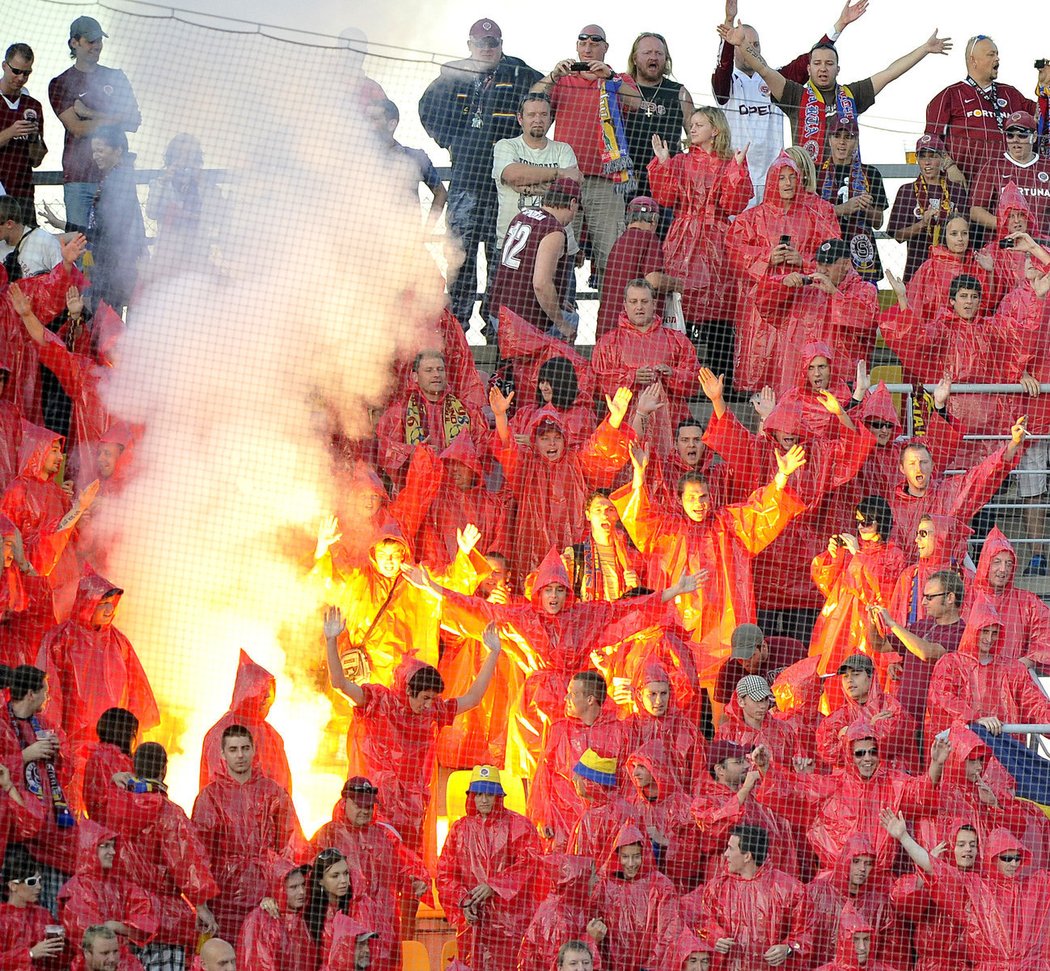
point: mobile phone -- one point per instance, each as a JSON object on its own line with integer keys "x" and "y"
{"x": 785, "y": 240}
{"x": 579, "y": 66}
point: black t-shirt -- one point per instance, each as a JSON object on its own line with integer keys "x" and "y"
{"x": 660, "y": 113}
{"x": 857, "y": 230}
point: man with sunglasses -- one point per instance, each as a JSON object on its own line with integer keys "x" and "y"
{"x": 22, "y": 146}
{"x": 970, "y": 115}
{"x": 1021, "y": 165}
{"x": 472, "y": 105}
{"x": 25, "y": 926}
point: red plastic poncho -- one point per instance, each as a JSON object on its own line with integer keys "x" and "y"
{"x": 894, "y": 731}
{"x": 346, "y": 932}
{"x": 387, "y": 617}
{"x": 844, "y": 322}
{"x": 778, "y": 735}
{"x": 10, "y": 436}
{"x": 453, "y": 508}
{"x": 769, "y": 908}
{"x": 958, "y": 497}
{"x": 704, "y": 191}
{"x": 162, "y": 852}
{"x": 782, "y": 572}
{"x": 947, "y": 551}
{"x": 726, "y": 543}
{"x": 13, "y": 600}
{"x": 837, "y": 806}
{"x": 282, "y": 943}
{"x": 667, "y": 817}
{"x": 242, "y": 825}
{"x": 816, "y": 421}
{"x": 395, "y": 748}
{"x": 528, "y": 349}
{"x": 963, "y": 689}
{"x": 500, "y": 850}
{"x": 21, "y": 928}
{"x": 382, "y": 870}
{"x": 680, "y": 737}
{"x": 95, "y": 895}
{"x": 621, "y": 352}
{"x": 938, "y": 935}
{"x": 833, "y": 898}
{"x": 604, "y": 812}
{"x": 1025, "y": 618}
{"x": 550, "y": 495}
{"x": 1007, "y": 920}
{"x": 562, "y": 916}
{"x": 641, "y": 912}
{"x": 103, "y": 762}
{"x": 928, "y": 288}
{"x": 1009, "y": 269}
{"x": 851, "y": 584}
{"x": 960, "y": 797}
{"x": 808, "y": 220}
{"x": 253, "y": 694}
{"x": 855, "y": 921}
{"x": 799, "y": 691}
{"x": 35, "y": 504}
{"x": 90, "y": 669}
{"x": 555, "y": 647}
{"x": 665, "y": 471}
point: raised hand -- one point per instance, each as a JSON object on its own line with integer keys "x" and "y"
{"x": 498, "y": 401}
{"x": 651, "y": 398}
{"x": 942, "y": 392}
{"x": 72, "y": 248}
{"x": 790, "y": 462}
{"x": 851, "y": 12}
{"x": 764, "y": 402}
{"x": 639, "y": 459}
{"x": 829, "y": 401}
{"x": 20, "y": 303}
{"x": 863, "y": 382}
{"x": 417, "y": 575}
{"x": 984, "y": 261}
{"x": 712, "y": 387}
{"x": 734, "y": 35}
{"x": 618, "y": 405}
{"x": 938, "y": 45}
{"x": 467, "y": 538}
{"x": 328, "y": 534}
{"x": 740, "y": 155}
{"x": 940, "y": 750}
{"x": 334, "y": 623}
{"x": 690, "y": 582}
{"x": 74, "y": 302}
{"x": 1019, "y": 432}
{"x": 660, "y": 149}
{"x": 490, "y": 637}
{"x": 894, "y": 823}
{"x": 898, "y": 288}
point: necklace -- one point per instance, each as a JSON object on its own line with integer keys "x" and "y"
{"x": 652, "y": 107}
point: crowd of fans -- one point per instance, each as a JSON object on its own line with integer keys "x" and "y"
{"x": 740, "y": 675}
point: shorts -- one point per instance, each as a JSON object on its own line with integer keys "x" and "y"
{"x": 1032, "y": 476}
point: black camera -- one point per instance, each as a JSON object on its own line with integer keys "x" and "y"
{"x": 579, "y": 66}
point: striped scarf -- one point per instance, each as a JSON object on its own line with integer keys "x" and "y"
{"x": 616, "y": 162}
{"x": 813, "y": 115}
{"x": 417, "y": 426}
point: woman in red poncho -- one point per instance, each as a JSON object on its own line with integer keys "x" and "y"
{"x": 705, "y": 187}
{"x": 25, "y": 944}
{"x": 329, "y": 894}
{"x": 117, "y": 730}
{"x": 778, "y": 236}
{"x": 254, "y": 690}
{"x": 486, "y": 876}
{"x": 928, "y": 288}
{"x": 91, "y": 666}
{"x": 566, "y": 914}
{"x": 100, "y": 893}
{"x": 855, "y": 574}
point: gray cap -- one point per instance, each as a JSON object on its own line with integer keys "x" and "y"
{"x": 88, "y": 28}
{"x": 746, "y": 639}
{"x": 753, "y": 686}
{"x": 857, "y": 662}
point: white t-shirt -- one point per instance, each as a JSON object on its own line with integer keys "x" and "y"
{"x": 754, "y": 118}
{"x": 40, "y": 252}
{"x": 507, "y": 151}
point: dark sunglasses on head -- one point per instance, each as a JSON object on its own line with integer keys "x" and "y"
{"x": 595, "y": 38}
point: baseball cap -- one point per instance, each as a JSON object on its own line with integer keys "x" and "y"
{"x": 753, "y": 686}
{"x": 722, "y": 749}
{"x": 844, "y": 124}
{"x": 746, "y": 639}
{"x": 856, "y": 662}
{"x": 929, "y": 143}
{"x": 643, "y": 204}
{"x": 567, "y": 187}
{"x": 87, "y": 27}
{"x": 832, "y": 250}
{"x": 1021, "y": 119}
{"x": 485, "y": 779}
{"x": 361, "y": 791}
{"x": 486, "y": 28}
{"x": 597, "y": 768}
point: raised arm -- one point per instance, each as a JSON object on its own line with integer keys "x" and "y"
{"x": 934, "y": 45}
{"x": 491, "y": 639}
{"x": 334, "y": 625}
{"x": 737, "y": 36}
{"x": 897, "y": 826}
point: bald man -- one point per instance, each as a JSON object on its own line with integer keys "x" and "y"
{"x": 217, "y": 955}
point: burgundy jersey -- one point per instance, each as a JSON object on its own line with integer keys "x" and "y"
{"x": 513, "y": 287}
{"x": 105, "y": 89}
{"x": 1032, "y": 180}
{"x": 971, "y": 121}
{"x": 16, "y": 172}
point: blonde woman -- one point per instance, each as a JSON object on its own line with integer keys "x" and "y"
{"x": 704, "y": 186}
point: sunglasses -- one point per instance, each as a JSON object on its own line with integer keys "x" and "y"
{"x": 490, "y": 43}
{"x": 933, "y": 596}
{"x": 867, "y": 523}
{"x": 1018, "y": 134}
{"x": 33, "y": 881}
{"x": 19, "y": 72}
{"x": 595, "y": 38}
{"x": 878, "y": 426}
{"x": 1011, "y": 858}
{"x": 923, "y": 533}
{"x": 863, "y": 753}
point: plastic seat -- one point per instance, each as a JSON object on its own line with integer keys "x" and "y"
{"x": 456, "y": 794}
{"x": 449, "y": 953}
{"x": 414, "y": 956}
